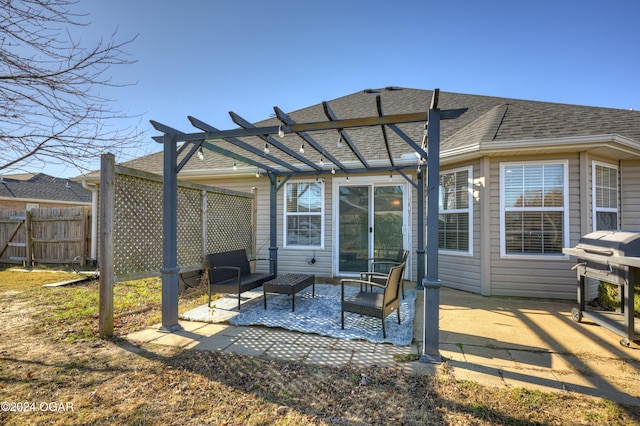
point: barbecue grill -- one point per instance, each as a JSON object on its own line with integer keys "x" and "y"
{"x": 612, "y": 257}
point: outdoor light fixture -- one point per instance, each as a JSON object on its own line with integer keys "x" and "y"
{"x": 321, "y": 162}
{"x": 200, "y": 154}
{"x": 257, "y": 173}
{"x": 340, "y": 142}
{"x": 333, "y": 170}
{"x": 235, "y": 166}
{"x": 347, "y": 178}
{"x": 266, "y": 148}
{"x": 280, "y": 131}
{"x": 301, "y": 149}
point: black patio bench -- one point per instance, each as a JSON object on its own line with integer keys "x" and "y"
{"x": 230, "y": 272}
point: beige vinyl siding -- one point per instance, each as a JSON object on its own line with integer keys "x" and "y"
{"x": 294, "y": 260}
{"x": 462, "y": 272}
{"x": 630, "y": 194}
{"x": 289, "y": 260}
{"x": 548, "y": 277}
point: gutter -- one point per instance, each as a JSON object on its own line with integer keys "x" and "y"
{"x": 616, "y": 142}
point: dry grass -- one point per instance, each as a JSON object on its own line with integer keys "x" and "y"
{"x": 50, "y": 353}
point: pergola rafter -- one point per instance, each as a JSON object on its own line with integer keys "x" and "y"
{"x": 343, "y": 134}
{"x": 268, "y": 139}
{"x": 241, "y": 144}
{"x": 282, "y": 116}
{"x": 241, "y": 139}
{"x": 384, "y": 130}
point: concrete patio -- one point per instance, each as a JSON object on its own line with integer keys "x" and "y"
{"x": 494, "y": 341}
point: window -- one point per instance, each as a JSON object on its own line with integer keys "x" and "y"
{"x": 534, "y": 212}
{"x": 304, "y": 214}
{"x": 605, "y": 196}
{"x": 455, "y": 203}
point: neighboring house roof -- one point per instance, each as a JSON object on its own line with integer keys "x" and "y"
{"x": 489, "y": 123}
{"x": 43, "y": 187}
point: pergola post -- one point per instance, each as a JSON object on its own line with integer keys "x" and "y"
{"x": 170, "y": 268}
{"x": 420, "y": 251}
{"x": 432, "y": 284}
{"x": 273, "y": 224}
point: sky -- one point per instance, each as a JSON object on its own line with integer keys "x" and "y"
{"x": 206, "y": 58}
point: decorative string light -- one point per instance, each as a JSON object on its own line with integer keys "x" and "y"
{"x": 200, "y": 154}
{"x": 280, "y": 131}
{"x": 266, "y": 148}
{"x": 257, "y": 173}
{"x": 235, "y": 166}
{"x": 390, "y": 177}
{"x": 321, "y": 162}
{"x": 340, "y": 142}
{"x": 333, "y": 170}
{"x": 301, "y": 149}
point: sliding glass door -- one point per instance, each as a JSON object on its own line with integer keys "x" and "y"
{"x": 371, "y": 224}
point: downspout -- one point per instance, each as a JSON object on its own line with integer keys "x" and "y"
{"x": 94, "y": 219}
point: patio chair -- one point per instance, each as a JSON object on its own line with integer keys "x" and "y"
{"x": 379, "y": 268}
{"x": 375, "y": 304}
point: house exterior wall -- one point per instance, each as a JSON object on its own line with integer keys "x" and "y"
{"x": 463, "y": 271}
{"x": 485, "y": 271}
{"x": 296, "y": 260}
{"x": 527, "y": 276}
{"x": 630, "y": 194}
{"x": 22, "y": 204}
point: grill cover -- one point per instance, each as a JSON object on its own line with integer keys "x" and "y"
{"x": 611, "y": 243}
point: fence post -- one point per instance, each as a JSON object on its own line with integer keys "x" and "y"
{"x": 105, "y": 263}
{"x": 28, "y": 236}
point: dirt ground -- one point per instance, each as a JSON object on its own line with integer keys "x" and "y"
{"x": 44, "y": 379}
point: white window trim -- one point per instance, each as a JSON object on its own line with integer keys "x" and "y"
{"x": 468, "y": 210}
{"x": 594, "y": 208}
{"x": 564, "y": 209}
{"x": 285, "y": 215}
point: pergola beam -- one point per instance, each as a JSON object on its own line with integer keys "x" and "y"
{"x": 316, "y": 126}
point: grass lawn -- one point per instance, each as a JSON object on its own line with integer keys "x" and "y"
{"x": 51, "y": 354}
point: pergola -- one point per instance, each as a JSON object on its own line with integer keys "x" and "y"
{"x": 279, "y": 171}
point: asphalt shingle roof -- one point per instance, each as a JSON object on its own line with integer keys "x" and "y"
{"x": 44, "y": 187}
{"x": 487, "y": 119}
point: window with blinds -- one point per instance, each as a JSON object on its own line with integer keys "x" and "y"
{"x": 534, "y": 208}
{"x": 304, "y": 214}
{"x": 455, "y": 204}
{"x": 605, "y": 196}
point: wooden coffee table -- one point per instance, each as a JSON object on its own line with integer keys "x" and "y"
{"x": 289, "y": 284}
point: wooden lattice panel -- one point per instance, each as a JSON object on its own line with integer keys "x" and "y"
{"x": 229, "y": 224}
{"x": 189, "y": 226}
{"x": 137, "y": 227}
{"x": 221, "y": 217}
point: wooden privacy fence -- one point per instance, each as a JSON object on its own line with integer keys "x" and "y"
{"x": 45, "y": 235}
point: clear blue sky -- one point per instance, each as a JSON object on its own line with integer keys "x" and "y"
{"x": 205, "y": 58}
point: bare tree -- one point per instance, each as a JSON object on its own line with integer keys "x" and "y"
{"x": 51, "y": 108}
